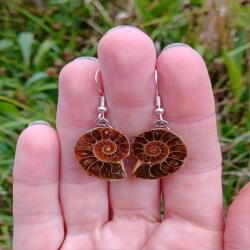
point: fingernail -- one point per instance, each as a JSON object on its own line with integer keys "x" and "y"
{"x": 172, "y": 45}
{"x": 87, "y": 58}
{"x": 39, "y": 122}
{"x": 122, "y": 27}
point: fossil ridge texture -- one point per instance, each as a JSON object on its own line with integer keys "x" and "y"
{"x": 159, "y": 152}
{"x": 100, "y": 152}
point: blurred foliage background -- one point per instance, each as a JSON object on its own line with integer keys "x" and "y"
{"x": 38, "y": 37}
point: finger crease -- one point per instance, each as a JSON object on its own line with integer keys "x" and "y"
{"x": 177, "y": 216}
{"x": 35, "y": 182}
{"x": 191, "y": 119}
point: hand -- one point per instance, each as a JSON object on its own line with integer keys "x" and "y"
{"x": 57, "y": 206}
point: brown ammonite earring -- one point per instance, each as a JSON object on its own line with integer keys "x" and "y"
{"x": 100, "y": 152}
{"x": 159, "y": 151}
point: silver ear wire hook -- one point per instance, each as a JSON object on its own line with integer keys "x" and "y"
{"x": 101, "y": 120}
{"x": 100, "y": 90}
{"x": 161, "y": 123}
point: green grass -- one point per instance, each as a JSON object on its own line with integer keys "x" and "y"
{"x": 38, "y": 37}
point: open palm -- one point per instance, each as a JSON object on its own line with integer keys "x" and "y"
{"x": 57, "y": 206}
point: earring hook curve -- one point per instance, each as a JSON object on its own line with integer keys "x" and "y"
{"x": 159, "y": 110}
{"x": 100, "y": 90}
{"x": 156, "y": 82}
{"x": 101, "y": 119}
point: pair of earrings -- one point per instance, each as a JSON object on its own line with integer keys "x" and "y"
{"x": 158, "y": 151}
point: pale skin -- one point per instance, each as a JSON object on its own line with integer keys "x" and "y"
{"x": 58, "y": 206}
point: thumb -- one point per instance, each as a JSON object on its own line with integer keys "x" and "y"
{"x": 237, "y": 230}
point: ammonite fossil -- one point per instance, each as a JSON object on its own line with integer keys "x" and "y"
{"x": 101, "y": 151}
{"x": 159, "y": 152}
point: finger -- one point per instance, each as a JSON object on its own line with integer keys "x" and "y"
{"x": 127, "y": 60}
{"x": 36, "y": 205}
{"x": 237, "y": 230}
{"x": 84, "y": 198}
{"x": 193, "y": 193}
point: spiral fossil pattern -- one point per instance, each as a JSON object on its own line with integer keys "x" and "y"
{"x": 159, "y": 152}
{"x": 101, "y": 151}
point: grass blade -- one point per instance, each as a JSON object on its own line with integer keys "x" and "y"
{"x": 5, "y": 44}
{"x": 25, "y": 41}
{"x": 42, "y": 51}
{"x": 36, "y": 77}
{"x": 234, "y": 72}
